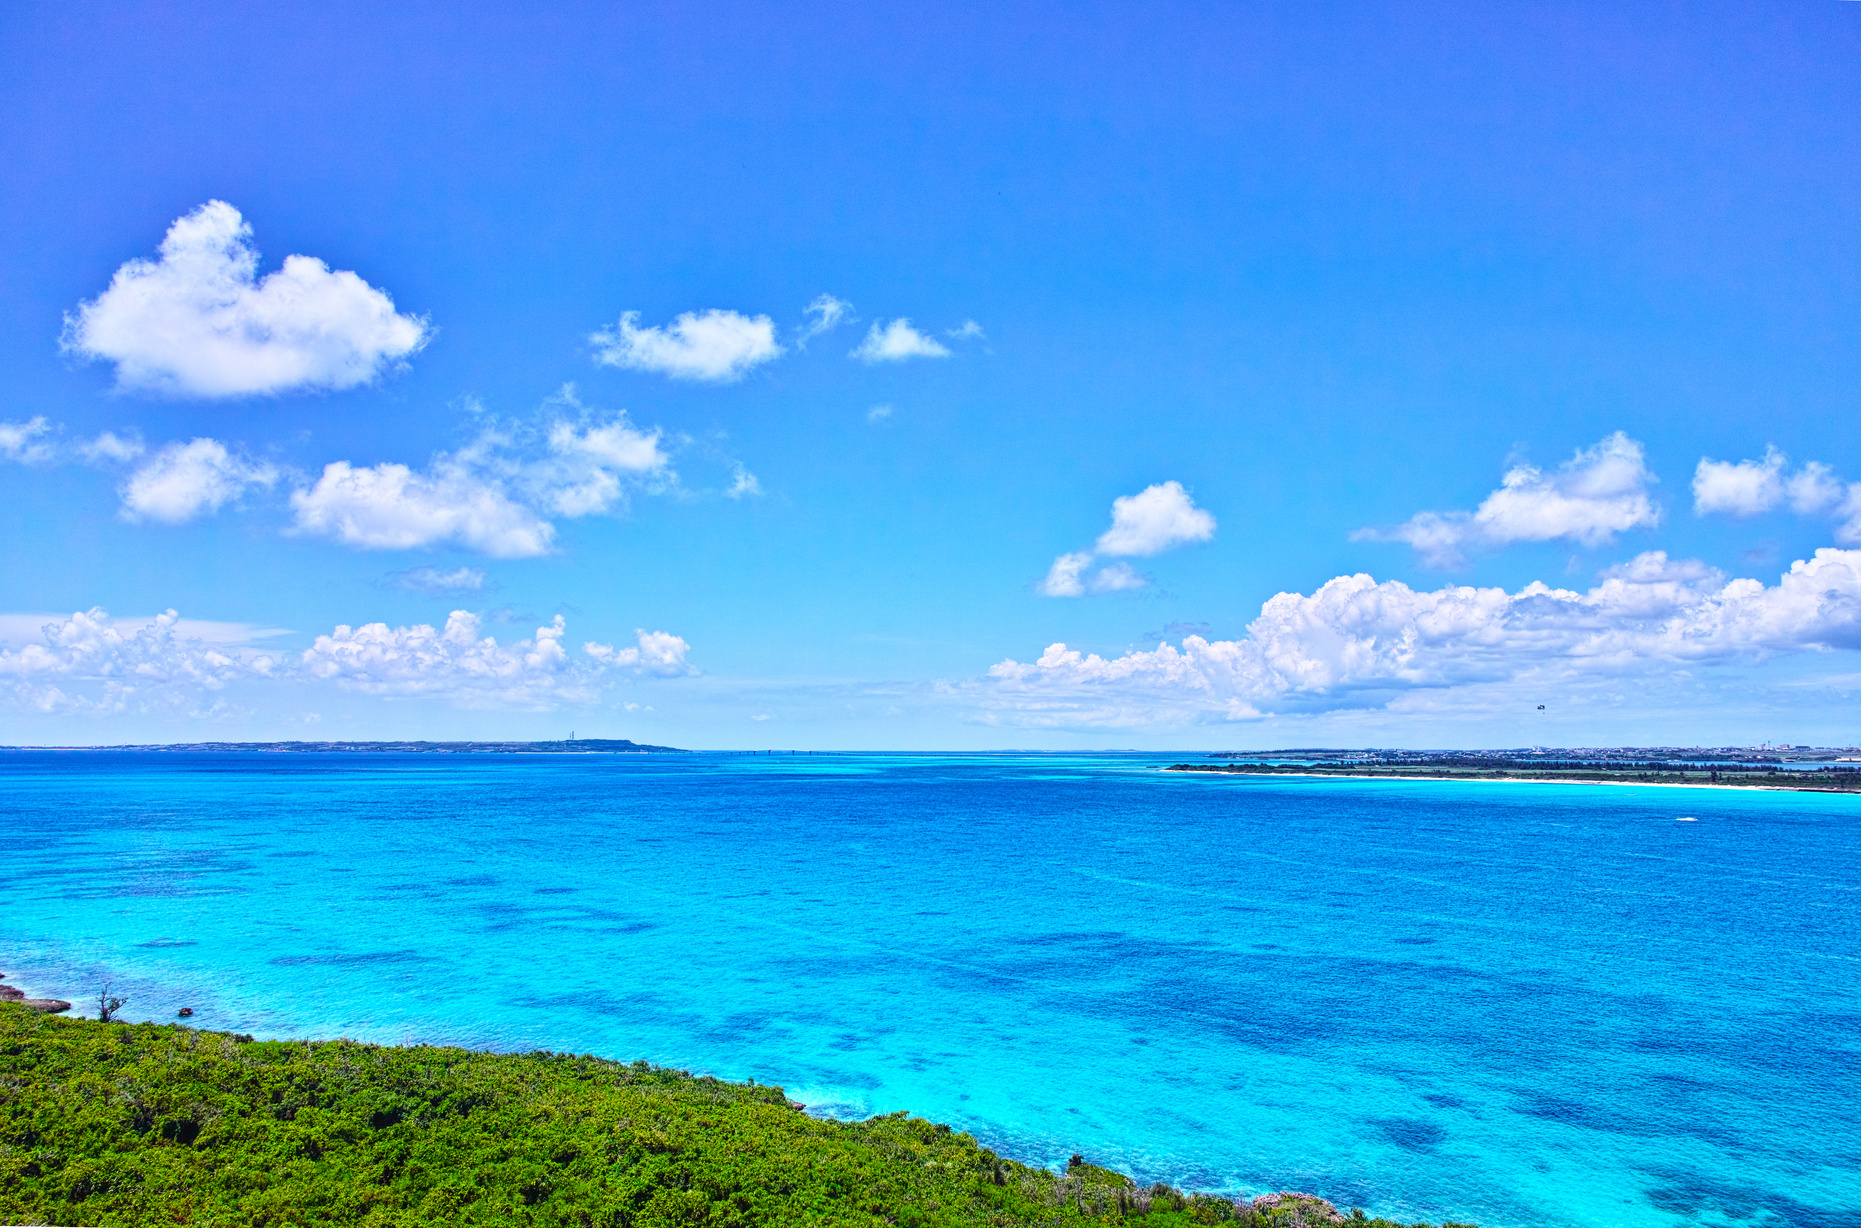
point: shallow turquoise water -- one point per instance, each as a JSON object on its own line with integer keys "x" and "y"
{"x": 1515, "y": 1004}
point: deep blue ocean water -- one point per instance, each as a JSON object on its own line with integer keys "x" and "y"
{"x": 1515, "y": 1004}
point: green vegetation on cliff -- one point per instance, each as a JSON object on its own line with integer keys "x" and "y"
{"x": 120, "y": 1124}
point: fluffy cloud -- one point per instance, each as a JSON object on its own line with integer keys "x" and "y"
{"x": 1814, "y": 488}
{"x": 718, "y": 346}
{"x": 89, "y": 663}
{"x": 1748, "y": 487}
{"x": 456, "y": 661}
{"x": 390, "y": 507}
{"x": 94, "y": 664}
{"x": 1599, "y": 492}
{"x": 494, "y": 496}
{"x": 1744, "y": 488}
{"x": 199, "y": 322}
{"x": 1117, "y": 578}
{"x": 25, "y": 442}
{"x": 1157, "y": 518}
{"x": 896, "y": 342}
{"x": 185, "y": 480}
{"x": 474, "y": 670}
{"x": 585, "y": 467}
{"x": 657, "y": 654}
{"x": 1356, "y": 643}
{"x": 1065, "y": 577}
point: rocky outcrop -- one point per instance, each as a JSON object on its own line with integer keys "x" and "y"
{"x": 1297, "y": 1210}
{"x": 45, "y": 1006}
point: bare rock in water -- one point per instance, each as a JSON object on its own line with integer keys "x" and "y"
{"x": 1292, "y": 1207}
{"x": 47, "y": 1006}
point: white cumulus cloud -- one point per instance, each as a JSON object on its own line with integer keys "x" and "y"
{"x": 587, "y": 465}
{"x": 1158, "y": 518}
{"x": 199, "y": 322}
{"x": 455, "y": 662}
{"x": 25, "y": 442}
{"x": 1814, "y": 488}
{"x": 494, "y": 496}
{"x": 658, "y": 654}
{"x": 1748, "y": 487}
{"x": 1064, "y": 578}
{"x": 896, "y": 342}
{"x": 716, "y": 346}
{"x": 90, "y": 663}
{"x": 1357, "y": 643}
{"x": 1067, "y": 577}
{"x": 1742, "y": 488}
{"x": 1117, "y": 578}
{"x": 182, "y": 481}
{"x": 459, "y": 663}
{"x": 391, "y": 507}
{"x": 1599, "y": 492}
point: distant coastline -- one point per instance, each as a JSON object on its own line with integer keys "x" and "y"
{"x": 1821, "y": 781}
{"x": 565, "y": 746}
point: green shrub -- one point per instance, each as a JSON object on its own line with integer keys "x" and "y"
{"x": 119, "y": 1125}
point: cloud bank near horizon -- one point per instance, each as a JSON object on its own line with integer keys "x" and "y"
{"x": 1356, "y": 643}
{"x": 91, "y": 664}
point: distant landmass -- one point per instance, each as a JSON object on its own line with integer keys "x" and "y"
{"x": 1611, "y": 755}
{"x": 1806, "y": 768}
{"x": 566, "y": 746}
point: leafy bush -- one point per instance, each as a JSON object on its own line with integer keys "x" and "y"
{"x": 120, "y": 1125}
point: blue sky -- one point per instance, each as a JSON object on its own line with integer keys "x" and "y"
{"x": 1205, "y": 305}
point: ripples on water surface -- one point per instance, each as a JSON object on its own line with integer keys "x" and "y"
{"x": 1516, "y": 1004}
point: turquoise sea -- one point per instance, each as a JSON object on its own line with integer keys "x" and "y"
{"x": 1515, "y": 1004}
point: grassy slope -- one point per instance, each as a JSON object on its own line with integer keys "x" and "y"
{"x": 116, "y": 1124}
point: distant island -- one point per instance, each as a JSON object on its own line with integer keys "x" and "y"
{"x": 566, "y": 746}
{"x": 1835, "y": 770}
